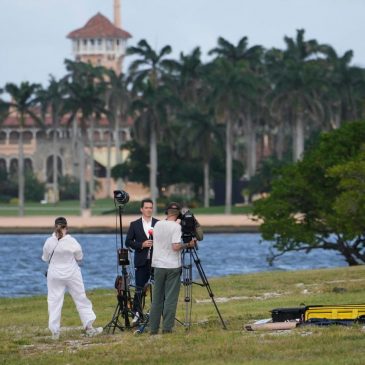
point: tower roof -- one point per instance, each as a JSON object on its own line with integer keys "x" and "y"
{"x": 99, "y": 26}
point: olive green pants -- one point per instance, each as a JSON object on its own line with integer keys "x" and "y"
{"x": 165, "y": 295}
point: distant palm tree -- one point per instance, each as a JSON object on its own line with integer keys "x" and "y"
{"x": 85, "y": 102}
{"x": 297, "y": 79}
{"x": 52, "y": 100}
{"x": 23, "y": 101}
{"x": 118, "y": 100}
{"x": 148, "y": 72}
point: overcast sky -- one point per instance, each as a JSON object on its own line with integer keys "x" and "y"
{"x": 34, "y": 44}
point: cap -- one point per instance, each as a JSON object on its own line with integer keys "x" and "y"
{"x": 61, "y": 221}
{"x": 173, "y": 208}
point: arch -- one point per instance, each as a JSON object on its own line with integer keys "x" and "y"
{"x": 49, "y": 168}
{"x": 14, "y": 165}
{"x": 107, "y": 135}
{"x": 2, "y": 137}
{"x": 14, "y": 137}
{"x": 28, "y": 165}
{"x": 3, "y": 165}
{"x": 41, "y": 135}
{"x": 123, "y": 136}
{"x": 27, "y": 137}
{"x": 96, "y": 136}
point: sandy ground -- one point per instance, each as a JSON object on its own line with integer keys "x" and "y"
{"x": 107, "y": 223}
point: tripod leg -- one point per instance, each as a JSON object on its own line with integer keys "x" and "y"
{"x": 187, "y": 282}
{"x": 205, "y": 282}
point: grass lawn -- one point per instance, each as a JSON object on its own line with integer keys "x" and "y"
{"x": 101, "y": 206}
{"x": 24, "y": 338}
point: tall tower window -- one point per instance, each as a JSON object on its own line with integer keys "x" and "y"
{"x": 100, "y": 43}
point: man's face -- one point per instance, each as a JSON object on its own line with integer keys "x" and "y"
{"x": 146, "y": 210}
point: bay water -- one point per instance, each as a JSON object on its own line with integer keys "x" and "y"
{"x": 22, "y": 270}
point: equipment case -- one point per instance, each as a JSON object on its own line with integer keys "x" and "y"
{"x": 344, "y": 311}
{"x": 287, "y": 314}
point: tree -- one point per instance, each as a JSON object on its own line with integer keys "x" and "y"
{"x": 53, "y": 100}
{"x": 151, "y": 101}
{"x": 85, "y": 89}
{"x": 118, "y": 100}
{"x": 22, "y": 105}
{"x": 309, "y": 201}
{"x": 296, "y": 76}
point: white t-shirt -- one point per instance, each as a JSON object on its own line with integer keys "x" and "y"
{"x": 165, "y": 233}
{"x": 66, "y": 251}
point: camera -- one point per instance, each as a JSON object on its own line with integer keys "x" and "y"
{"x": 121, "y": 197}
{"x": 188, "y": 226}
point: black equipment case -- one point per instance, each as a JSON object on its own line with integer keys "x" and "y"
{"x": 288, "y": 314}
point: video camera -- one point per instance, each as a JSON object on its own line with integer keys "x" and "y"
{"x": 188, "y": 226}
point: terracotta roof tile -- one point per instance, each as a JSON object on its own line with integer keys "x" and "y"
{"x": 99, "y": 26}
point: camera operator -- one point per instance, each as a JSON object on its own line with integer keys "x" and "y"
{"x": 139, "y": 238}
{"x": 166, "y": 262}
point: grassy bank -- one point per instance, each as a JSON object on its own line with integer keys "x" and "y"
{"x": 99, "y": 207}
{"x": 24, "y": 338}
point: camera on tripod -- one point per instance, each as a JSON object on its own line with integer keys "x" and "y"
{"x": 188, "y": 226}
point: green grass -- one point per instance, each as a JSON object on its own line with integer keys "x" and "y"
{"x": 99, "y": 207}
{"x": 24, "y": 338}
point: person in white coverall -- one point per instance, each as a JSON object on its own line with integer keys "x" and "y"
{"x": 63, "y": 253}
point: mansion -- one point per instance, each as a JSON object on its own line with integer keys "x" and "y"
{"x": 99, "y": 42}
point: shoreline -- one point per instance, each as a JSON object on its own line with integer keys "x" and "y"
{"x": 213, "y": 223}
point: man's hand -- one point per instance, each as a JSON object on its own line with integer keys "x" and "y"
{"x": 192, "y": 243}
{"x": 147, "y": 244}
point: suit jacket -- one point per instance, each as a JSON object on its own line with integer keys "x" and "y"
{"x": 135, "y": 238}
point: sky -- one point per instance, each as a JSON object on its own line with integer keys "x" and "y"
{"x": 34, "y": 44}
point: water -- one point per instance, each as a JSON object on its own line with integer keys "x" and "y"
{"x": 21, "y": 268}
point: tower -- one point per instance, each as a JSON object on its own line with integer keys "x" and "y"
{"x": 100, "y": 42}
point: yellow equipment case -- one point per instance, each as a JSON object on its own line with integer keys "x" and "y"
{"x": 342, "y": 312}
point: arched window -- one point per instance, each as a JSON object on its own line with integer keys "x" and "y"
{"x": 2, "y": 165}
{"x": 49, "y": 168}
{"x": 28, "y": 165}
{"x": 27, "y": 137}
{"x": 2, "y": 137}
{"x": 13, "y": 137}
{"x": 13, "y": 167}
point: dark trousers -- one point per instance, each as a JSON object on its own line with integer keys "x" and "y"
{"x": 142, "y": 275}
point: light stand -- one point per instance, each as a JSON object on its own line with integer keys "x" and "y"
{"x": 187, "y": 266}
{"x": 123, "y": 309}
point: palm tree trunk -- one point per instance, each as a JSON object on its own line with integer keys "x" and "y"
{"x": 153, "y": 167}
{"x": 206, "y": 183}
{"x": 279, "y": 145}
{"x": 92, "y": 164}
{"x": 298, "y": 138}
{"x": 82, "y": 174}
{"x": 21, "y": 174}
{"x": 108, "y": 167}
{"x": 55, "y": 167}
{"x": 228, "y": 202}
{"x": 117, "y": 151}
{"x": 250, "y": 148}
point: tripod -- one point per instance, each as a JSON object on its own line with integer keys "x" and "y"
{"x": 188, "y": 256}
{"x": 123, "y": 309}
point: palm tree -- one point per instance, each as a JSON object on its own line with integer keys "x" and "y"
{"x": 85, "y": 88}
{"x": 23, "y": 102}
{"x": 148, "y": 73}
{"x": 234, "y": 83}
{"x": 53, "y": 99}
{"x": 198, "y": 123}
{"x": 297, "y": 86}
{"x": 343, "y": 82}
{"x": 118, "y": 100}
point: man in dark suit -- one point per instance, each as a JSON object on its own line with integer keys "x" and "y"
{"x": 140, "y": 239}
